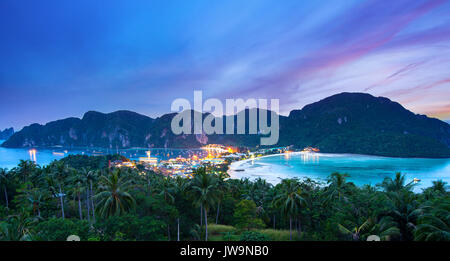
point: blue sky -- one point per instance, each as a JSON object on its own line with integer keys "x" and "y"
{"x": 62, "y": 58}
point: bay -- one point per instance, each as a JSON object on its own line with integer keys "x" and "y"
{"x": 363, "y": 169}
{"x": 10, "y": 157}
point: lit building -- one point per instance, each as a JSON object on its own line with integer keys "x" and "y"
{"x": 148, "y": 160}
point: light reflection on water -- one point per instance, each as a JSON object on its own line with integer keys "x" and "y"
{"x": 361, "y": 168}
{"x": 9, "y": 158}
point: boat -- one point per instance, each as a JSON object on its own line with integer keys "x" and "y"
{"x": 310, "y": 149}
{"x": 97, "y": 153}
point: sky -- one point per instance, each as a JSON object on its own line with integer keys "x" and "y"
{"x": 60, "y": 59}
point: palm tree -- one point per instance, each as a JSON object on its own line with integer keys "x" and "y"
{"x": 114, "y": 197}
{"x": 385, "y": 228}
{"x": 196, "y": 232}
{"x": 355, "y": 233}
{"x": 25, "y": 169}
{"x": 221, "y": 188}
{"x": 35, "y": 197}
{"x": 77, "y": 190}
{"x": 272, "y": 206}
{"x": 203, "y": 189}
{"x": 4, "y": 179}
{"x": 180, "y": 188}
{"x": 289, "y": 200}
{"x": 396, "y": 184}
{"x": 439, "y": 186}
{"x": 59, "y": 173}
{"x": 404, "y": 210}
{"x": 337, "y": 184}
{"x": 150, "y": 178}
{"x": 53, "y": 190}
{"x": 16, "y": 227}
{"x": 257, "y": 192}
{"x": 166, "y": 189}
{"x": 434, "y": 225}
{"x": 90, "y": 177}
{"x": 235, "y": 186}
{"x": 84, "y": 173}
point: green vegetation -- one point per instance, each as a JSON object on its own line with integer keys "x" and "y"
{"x": 80, "y": 195}
{"x": 246, "y": 215}
{"x": 360, "y": 123}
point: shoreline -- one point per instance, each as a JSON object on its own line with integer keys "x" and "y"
{"x": 370, "y": 173}
{"x": 77, "y": 148}
{"x": 333, "y": 154}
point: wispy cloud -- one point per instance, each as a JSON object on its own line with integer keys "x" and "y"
{"x": 64, "y": 59}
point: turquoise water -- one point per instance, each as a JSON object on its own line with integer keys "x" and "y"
{"x": 9, "y": 158}
{"x": 362, "y": 169}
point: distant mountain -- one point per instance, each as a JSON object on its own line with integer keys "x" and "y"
{"x": 121, "y": 129}
{"x": 342, "y": 123}
{"x": 6, "y": 133}
{"x": 362, "y": 123}
{"x": 118, "y": 129}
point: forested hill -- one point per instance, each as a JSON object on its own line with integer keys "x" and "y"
{"x": 362, "y": 123}
{"x": 6, "y": 133}
{"x": 342, "y": 123}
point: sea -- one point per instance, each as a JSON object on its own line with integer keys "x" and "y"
{"x": 10, "y": 157}
{"x": 362, "y": 169}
